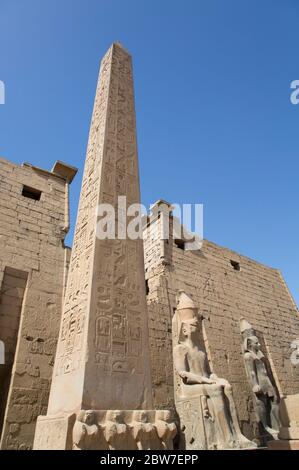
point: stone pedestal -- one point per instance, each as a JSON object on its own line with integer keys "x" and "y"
{"x": 283, "y": 445}
{"x": 106, "y": 430}
{"x": 196, "y": 431}
{"x": 289, "y": 430}
{"x": 54, "y": 432}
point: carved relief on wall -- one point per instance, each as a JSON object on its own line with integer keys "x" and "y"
{"x": 118, "y": 335}
{"x": 120, "y": 312}
{"x": 123, "y": 430}
{"x": 80, "y": 272}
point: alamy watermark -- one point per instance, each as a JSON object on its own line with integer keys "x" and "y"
{"x": 294, "y": 97}
{"x": 2, "y": 92}
{"x": 295, "y": 353}
{"x": 131, "y": 221}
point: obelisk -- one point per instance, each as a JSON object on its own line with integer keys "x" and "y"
{"x": 102, "y": 360}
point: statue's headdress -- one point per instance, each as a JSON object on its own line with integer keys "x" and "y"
{"x": 246, "y": 328}
{"x": 186, "y": 311}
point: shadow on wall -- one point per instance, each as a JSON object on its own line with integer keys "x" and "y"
{"x": 11, "y": 302}
{"x": 2, "y": 353}
{"x": 2, "y": 376}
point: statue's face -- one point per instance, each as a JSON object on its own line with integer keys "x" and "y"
{"x": 254, "y": 343}
{"x": 190, "y": 327}
{"x": 117, "y": 416}
{"x": 141, "y": 416}
{"x": 89, "y": 417}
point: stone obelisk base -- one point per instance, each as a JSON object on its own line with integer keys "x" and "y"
{"x": 54, "y": 432}
{"x": 106, "y": 430}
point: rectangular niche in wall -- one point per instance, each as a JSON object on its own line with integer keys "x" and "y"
{"x": 31, "y": 193}
{"x": 11, "y": 301}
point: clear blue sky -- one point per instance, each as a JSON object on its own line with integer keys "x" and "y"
{"x": 212, "y": 82}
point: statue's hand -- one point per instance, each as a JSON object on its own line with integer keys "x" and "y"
{"x": 183, "y": 374}
{"x": 222, "y": 382}
{"x": 256, "y": 389}
{"x": 213, "y": 376}
{"x": 218, "y": 380}
{"x": 208, "y": 381}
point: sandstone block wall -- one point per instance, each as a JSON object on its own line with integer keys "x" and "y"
{"x": 226, "y": 286}
{"x": 33, "y": 271}
{"x": 33, "y": 262}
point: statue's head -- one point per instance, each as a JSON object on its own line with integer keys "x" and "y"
{"x": 89, "y": 417}
{"x": 187, "y": 316}
{"x": 252, "y": 344}
{"x": 189, "y": 327}
{"x": 250, "y": 340}
{"x": 141, "y": 416}
{"x": 116, "y": 416}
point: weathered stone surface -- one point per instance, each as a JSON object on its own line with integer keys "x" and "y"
{"x": 224, "y": 295}
{"x": 260, "y": 379}
{"x": 33, "y": 271}
{"x": 32, "y": 277}
{"x": 102, "y": 355}
{"x": 204, "y": 401}
{"x": 289, "y": 416}
{"x": 106, "y": 430}
{"x": 289, "y": 410}
{"x": 283, "y": 445}
{"x": 54, "y": 432}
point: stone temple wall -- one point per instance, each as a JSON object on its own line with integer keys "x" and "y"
{"x": 33, "y": 270}
{"x": 33, "y": 259}
{"x": 226, "y": 287}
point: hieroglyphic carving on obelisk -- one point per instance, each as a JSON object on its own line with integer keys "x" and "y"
{"x": 101, "y": 393}
{"x": 102, "y": 356}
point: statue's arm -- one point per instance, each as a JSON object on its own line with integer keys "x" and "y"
{"x": 79, "y": 433}
{"x": 196, "y": 379}
{"x": 271, "y": 388}
{"x": 180, "y": 363}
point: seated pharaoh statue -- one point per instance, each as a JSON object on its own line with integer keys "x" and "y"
{"x": 204, "y": 402}
{"x": 266, "y": 398}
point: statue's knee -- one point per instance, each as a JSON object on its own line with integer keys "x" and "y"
{"x": 228, "y": 388}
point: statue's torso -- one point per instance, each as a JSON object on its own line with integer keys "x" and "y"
{"x": 262, "y": 375}
{"x": 261, "y": 372}
{"x": 197, "y": 361}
